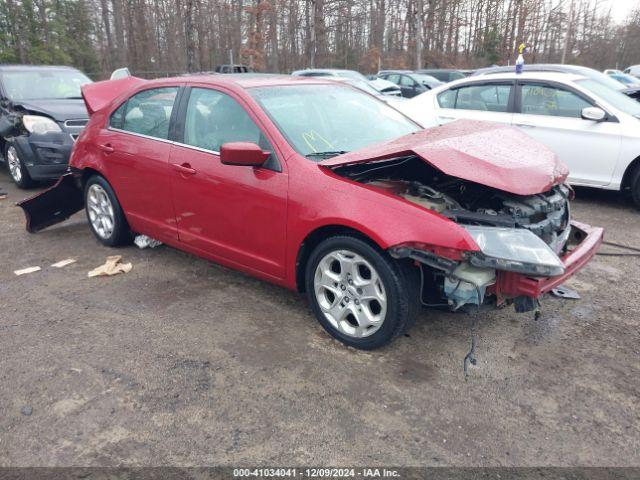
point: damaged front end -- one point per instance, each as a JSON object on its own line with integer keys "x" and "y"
{"x": 527, "y": 244}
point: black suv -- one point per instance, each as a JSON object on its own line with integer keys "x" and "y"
{"x": 41, "y": 115}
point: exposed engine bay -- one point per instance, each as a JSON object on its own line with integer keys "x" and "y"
{"x": 546, "y": 215}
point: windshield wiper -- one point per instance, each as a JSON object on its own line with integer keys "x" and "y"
{"x": 327, "y": 154}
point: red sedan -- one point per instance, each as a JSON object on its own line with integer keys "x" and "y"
{"x": 319, "y": 187}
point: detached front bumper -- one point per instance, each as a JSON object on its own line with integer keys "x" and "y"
{"x": 584, "y": 242}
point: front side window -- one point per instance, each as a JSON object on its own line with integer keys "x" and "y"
{"x": 406, "y": 81}
{"x": 394, "y": 78}
{"x": 146, "y": 113}
{"x": 319, "y": 120}
{"x": 214, "y": 118}
{"x": 552, "y": 101}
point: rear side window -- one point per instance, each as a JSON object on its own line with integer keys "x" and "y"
{"x": 146, "y": 113}
{"x": 552, "y": 101}
{"x": 485, "y": 97}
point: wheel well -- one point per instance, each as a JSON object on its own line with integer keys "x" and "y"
{"x": 3, "y": 142}
{"x": 314, "y": 238}
{"x": 628, "y": 174}
{"x": 88, "y": 173}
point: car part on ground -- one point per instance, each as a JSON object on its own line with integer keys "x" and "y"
{"x": 396, "y": 216}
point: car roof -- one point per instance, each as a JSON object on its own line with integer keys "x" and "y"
{"x": 528, "y": 75}
{"x": 539, "y": 67}
{"x": 249, "y": 80}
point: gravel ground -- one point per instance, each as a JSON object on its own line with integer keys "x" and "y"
{"x": 183, "y": 362}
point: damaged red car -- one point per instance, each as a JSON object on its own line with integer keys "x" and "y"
{"x": 322, "y": 188}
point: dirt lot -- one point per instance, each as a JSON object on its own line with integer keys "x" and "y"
{"x": 183, "y": 362}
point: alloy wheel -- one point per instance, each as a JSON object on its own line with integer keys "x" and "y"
{"x": 350, "y": 293}
{"x": 100, "y": 210}
{"x": 15, "y": 168}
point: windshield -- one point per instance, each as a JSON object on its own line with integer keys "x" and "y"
{"x": 43, "y": 84}
{"x": 600, "y": 77}
{"x": 330, "y": 118}
{"x": 612, "y": 97}
{"x": 626, "y": 79}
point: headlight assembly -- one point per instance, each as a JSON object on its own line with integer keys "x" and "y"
{"x": 38, "y": 124}
{"x": 515, "y": 250}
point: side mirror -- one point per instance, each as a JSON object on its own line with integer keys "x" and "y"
{"x": 594, "y": 113}
{"x": 245, "y": 154}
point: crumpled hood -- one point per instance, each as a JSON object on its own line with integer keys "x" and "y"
{"x": 58, "y": 109}
{"x": 490, "y": 154}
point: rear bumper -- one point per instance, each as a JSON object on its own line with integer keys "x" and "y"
{"x": 585, "y": 241}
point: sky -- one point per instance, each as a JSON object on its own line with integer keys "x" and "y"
{"x": 621, "y": 8}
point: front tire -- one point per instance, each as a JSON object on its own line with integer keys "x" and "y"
{"x": 104, "y": 213}
{"x": 18, "y": 172}
{"x": 359, "y": 294}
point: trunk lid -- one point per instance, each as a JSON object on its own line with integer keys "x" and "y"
{"x": 98, "y": 95}
{"x": 490, "y": 154}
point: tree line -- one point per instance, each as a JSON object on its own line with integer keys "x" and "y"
{"x": 166, "y": 37}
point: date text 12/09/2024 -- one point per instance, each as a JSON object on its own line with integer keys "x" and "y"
{"x": 316, "y": 472}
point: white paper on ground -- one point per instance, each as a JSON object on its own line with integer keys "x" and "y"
{"x": 24, "y": 271}
{"x": 64, "y": 263}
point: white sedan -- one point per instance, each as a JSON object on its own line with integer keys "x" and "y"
{"x": 593, "y": 129}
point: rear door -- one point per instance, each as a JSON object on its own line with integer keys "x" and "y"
{"x": 552, "y": 114}
{"x": 236, "y": 213}
{"x": 490, "y": 101}
{"x": 135, "y": 149}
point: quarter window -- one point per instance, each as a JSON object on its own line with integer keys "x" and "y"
{"x": 552, "y": 101}
{"x": 147, "y": 112}
{"x": 447, "y": 99}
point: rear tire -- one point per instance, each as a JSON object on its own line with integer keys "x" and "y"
{"x": 359, "y": 294}
{"x": 635, "y": 186}
{"x": 104, "y": 213}
{"x": 15, "y": 165}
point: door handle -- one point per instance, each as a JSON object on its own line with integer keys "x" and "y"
{"x": 184, "y": 168}
{"x": 107, "y": 148}
{"x": 525, "y": 125}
